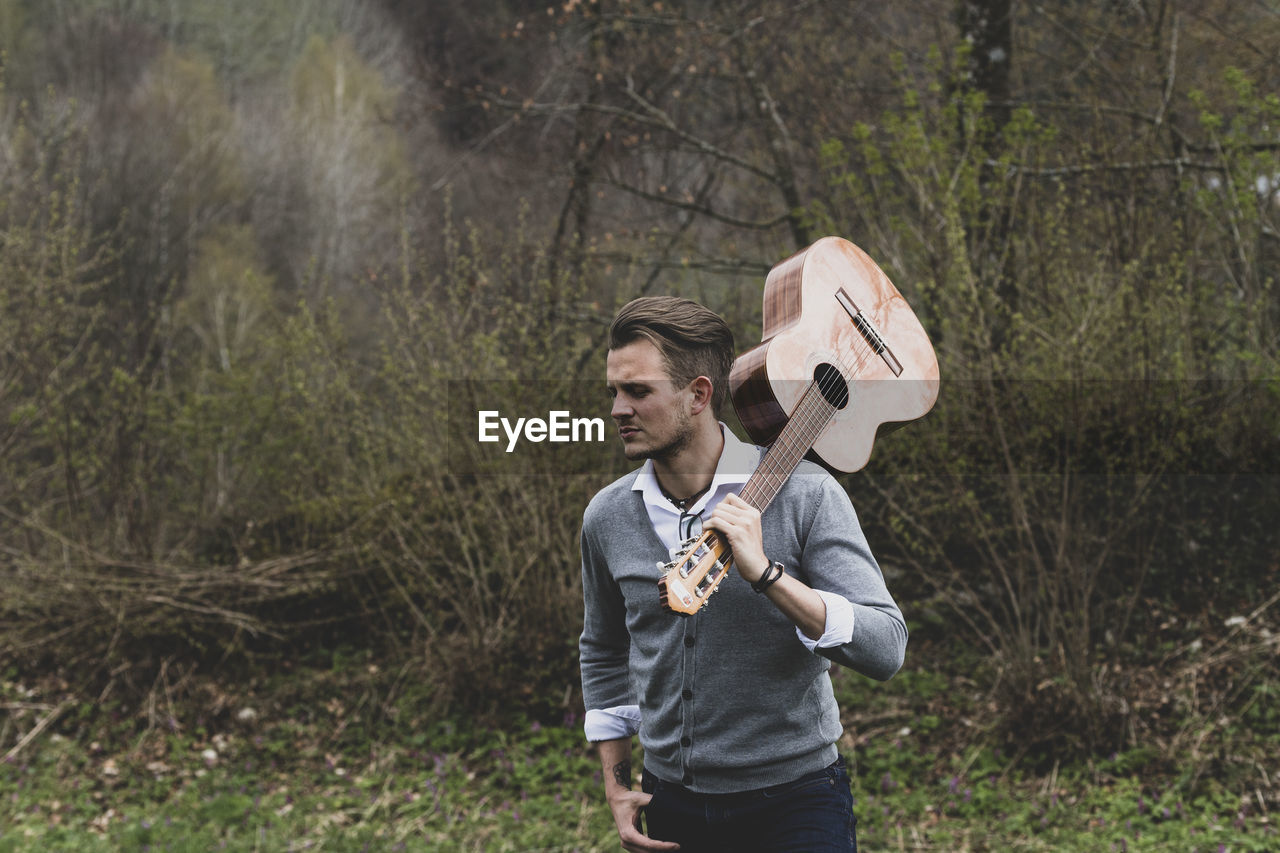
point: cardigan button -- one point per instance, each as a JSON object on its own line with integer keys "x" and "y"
{"x": 687, "y": 780}
{"x": 686, "y": 694}
{"x": 686, "y": 740}
{"x": 688, "y": 642}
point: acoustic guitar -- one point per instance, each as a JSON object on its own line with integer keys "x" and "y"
{"x": 843, "y": 359}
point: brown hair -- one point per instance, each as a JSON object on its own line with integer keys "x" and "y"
{"x": 693, "y": 340}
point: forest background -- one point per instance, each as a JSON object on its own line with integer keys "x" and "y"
{"x": 254, "y": 254}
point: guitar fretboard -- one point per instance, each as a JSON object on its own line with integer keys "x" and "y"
{"x": 810, "y": 417}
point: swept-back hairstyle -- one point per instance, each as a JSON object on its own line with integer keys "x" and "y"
{"x": 693, "y": 340}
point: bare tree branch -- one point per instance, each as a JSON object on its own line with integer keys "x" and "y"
{"x": 704, "y": 210}
{"x": 1085, "y": 168}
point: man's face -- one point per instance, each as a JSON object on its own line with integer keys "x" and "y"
{"x": 654, "y": 417}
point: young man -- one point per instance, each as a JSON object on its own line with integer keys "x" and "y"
{"x": 733, "y": 706}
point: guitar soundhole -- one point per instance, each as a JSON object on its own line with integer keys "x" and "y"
{"x": 832, "y": 385}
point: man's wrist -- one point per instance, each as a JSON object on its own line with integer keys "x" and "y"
{"x": 771, "y": 576}
{"x": 615, "y": 758}
{"x": 753, "y": 567}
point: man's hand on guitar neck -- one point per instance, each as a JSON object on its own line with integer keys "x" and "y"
{"x": 739, "y": 522}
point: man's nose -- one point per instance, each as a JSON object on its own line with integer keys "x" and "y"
{"x": 621, "y": 408}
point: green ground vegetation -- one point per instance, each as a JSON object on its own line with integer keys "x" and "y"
{"x": 342, "y": 754}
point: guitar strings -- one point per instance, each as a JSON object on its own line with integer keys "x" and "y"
{"x": 807, "y": 414}
{"x": 811, "y": 414}
{"x": 777, "y": 466}
{"x": 782, "y": 457}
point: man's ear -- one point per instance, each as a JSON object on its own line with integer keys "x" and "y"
{"x": 702, "y": 389}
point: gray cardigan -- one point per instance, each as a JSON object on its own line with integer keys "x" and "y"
{"x": 730, "y": 700}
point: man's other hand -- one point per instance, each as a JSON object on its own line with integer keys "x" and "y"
{"x": 627, "y": 806}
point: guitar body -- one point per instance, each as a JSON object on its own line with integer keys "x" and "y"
{"x": 812, "y": 303}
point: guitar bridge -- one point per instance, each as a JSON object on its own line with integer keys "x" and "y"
{"x": 869, "y": 332}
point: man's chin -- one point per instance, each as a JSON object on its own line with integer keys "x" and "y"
{"x": 635, "y": 452}
{"x": 636, "y": 449}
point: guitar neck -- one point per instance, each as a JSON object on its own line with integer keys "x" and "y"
{"x": 806, "y": 423}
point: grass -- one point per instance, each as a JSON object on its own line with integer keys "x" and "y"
{"x": 904, "y": 802}
{"x": 284, "y": 789}
{"x": 340, "y": 760}
{"x": 929, "y": 775}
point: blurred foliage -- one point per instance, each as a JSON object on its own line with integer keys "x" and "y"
{"x": 1097, "y": 412}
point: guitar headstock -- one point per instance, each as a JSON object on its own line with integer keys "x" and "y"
{"x": 695, "y": 574}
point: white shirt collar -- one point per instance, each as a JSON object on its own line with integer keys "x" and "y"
{"x": 738, "y": 460}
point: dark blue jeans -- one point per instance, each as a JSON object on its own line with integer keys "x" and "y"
{"x": 813, "y": 814}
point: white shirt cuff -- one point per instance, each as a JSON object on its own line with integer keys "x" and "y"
{"x": 839, "y": 627}
{"x": 612, "y": 723}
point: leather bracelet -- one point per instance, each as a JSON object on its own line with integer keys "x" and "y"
{"x": 770, "y": 577}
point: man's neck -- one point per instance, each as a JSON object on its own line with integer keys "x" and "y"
{"x": 690, "y": 471}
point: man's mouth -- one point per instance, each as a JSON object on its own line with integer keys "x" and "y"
{"x": 627, "y": 431}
